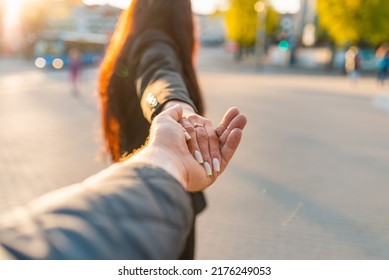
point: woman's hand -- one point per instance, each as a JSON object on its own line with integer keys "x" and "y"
{"x": 203, "y": 143}
{"x": 206, "y": 142}
{"x": 168, "y": 150}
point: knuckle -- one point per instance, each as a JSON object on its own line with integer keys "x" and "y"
{"x": 202, "y": 135}
{"x": 215, "y": 153}
{"x": 206, "y": 157}
{"x": 190, "y": 129}
{"x": 193, "y": 118}
{"x": 213, "y": 137}
{"x": 184, "y": 123}
{"x": 220, "y": 129}
{"x": 207, "y": 122}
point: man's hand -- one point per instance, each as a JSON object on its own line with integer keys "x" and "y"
{"x": 168, "y": 149}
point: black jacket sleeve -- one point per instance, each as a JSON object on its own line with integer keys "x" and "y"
{"x": 124, "y": 212}
{"x": 158, "y": 72}
{"x": 159, "y": 79}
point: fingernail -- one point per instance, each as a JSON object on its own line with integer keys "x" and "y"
{"x": 187, "y": 136}
{"x": 198, "y": 157}
{"x": 216, "y": 165}
{"x": 207, "y": 168}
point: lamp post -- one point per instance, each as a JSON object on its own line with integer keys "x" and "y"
{"x": 260, "y": 40}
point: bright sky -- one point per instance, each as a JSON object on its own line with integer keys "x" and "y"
{"x": 199, "y": 6}
{"x": 208, "y": 6}
{"x": 286, "y": 6}
{"x": 10, "y": 23}
{"x": 13, "y": 8}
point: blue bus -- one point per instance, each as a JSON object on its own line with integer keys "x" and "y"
{"x": 51, "y": 50}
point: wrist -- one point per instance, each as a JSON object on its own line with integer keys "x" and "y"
{"x": 160, "y": 158}
{"x": 187, "y": 109}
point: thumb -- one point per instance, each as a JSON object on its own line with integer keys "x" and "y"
{"x": 174, "y": 112}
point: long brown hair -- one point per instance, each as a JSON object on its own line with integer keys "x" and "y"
{"x": 117, "y": 83}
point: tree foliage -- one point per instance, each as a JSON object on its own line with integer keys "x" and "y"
{"x": 355, "y": 21}
{"x": 241, "y": 22}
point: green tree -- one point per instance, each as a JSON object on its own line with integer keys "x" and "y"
{"x": 354, "y": 21}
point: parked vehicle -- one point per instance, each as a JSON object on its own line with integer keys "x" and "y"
{"x": 51, "y": 50}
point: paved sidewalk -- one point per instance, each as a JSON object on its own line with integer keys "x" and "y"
{"x": 14, "y": 64}
{"x": 310, "y": 179}
{"x": 49, "y": 137}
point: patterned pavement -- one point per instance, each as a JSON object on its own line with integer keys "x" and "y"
{"x": 48, "y": 138}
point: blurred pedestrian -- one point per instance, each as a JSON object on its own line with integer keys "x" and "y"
{"x": 75, "y": 67}
{"x": 353, "y": 63}
{"x": 149, "y": 67}
{"x": 382, "y": 55}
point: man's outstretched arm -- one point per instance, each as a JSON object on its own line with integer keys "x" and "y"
{"x": 137, "y": 209}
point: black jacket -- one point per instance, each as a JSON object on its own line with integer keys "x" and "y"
{"x": 152, "y": 62}
{"x": 124, "y": 212}
{"x": 147, "y": 75}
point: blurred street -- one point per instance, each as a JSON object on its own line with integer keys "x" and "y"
{"x": 310, "y": 180}
{"x": 49, "y": 138}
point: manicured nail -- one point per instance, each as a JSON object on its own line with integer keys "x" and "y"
{"x": 187, "y": 136}
{"x": 216, "y": 165}
{"x": 207, "y": 168}
{"x": 198, "y": 157}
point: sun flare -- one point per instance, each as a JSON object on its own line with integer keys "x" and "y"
{"x": 12, "y": 13}
{"x": 11, "y": 23}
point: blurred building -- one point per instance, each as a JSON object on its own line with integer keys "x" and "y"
{"x": 2, "y": 3}
{"x": 211, "y": 29}
{"x": 37, "y": 16}
{"x": 83, "y": 18}
{"x": 96, "y": 19}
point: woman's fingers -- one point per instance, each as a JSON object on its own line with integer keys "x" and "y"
{"x": 192, "y": 142}
{"x": 228, "y": 117}
{"x": 214, "y": 148}
{"x": 231, "y": 144}
{"x": 239, "y": 121}
{"x": 203, "y": 143}
{"x": 199, "y": 123}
